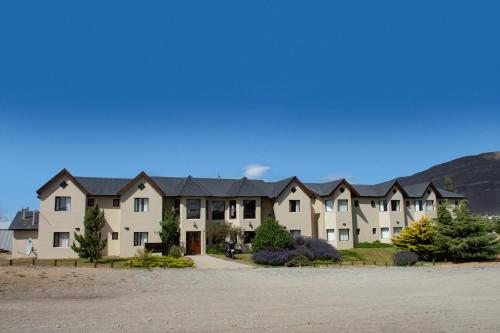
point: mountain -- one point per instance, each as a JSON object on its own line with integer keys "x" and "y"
{"x": 477, "y": 176}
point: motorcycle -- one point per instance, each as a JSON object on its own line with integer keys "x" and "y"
{"x": 229, "y": 250}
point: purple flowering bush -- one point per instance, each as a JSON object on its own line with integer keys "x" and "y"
{"x": 315, "y": 248}
{"x": 404, "y": 258}
{"x": 272, "y": 257}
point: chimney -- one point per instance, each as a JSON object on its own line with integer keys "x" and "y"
{"x": 24, "y": 211}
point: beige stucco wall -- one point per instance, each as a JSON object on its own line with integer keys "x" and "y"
{"x": 193, "y": 224}
{"x": 294, "y": 221}
{"x": 336, "y": 220}
{"x": 413, "y": 215}
{"x": 113, "y": 218}
{"x": 20, "y": 240}
{"x": 139, "y": 221}
{"x": 59, "y": 221}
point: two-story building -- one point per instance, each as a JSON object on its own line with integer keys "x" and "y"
{"x": 342, "y": 213}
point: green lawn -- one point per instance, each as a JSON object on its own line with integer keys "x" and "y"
{"x": 378, "y": 255}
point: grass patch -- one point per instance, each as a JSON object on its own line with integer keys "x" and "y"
{"x": 351, "y": 255}
{"x": 369, "y": 255}
{"x": 373, "y": 245}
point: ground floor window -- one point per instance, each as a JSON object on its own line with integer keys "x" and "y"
{"x": 295, "y": 233}
{"x": 330, "y": 234}
{"x": 396, "y": 230}
{"x": 140, "y": 238}
{"x": 385, "y": 233}
{"x": 343, "y": 234}
{"x": 61, "y": 239}
{"x": 248, "y": 237}
{"x": 374, "y": 231}
{"x": 114, "y": 235}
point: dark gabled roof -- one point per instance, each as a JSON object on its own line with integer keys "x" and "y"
{"x": 103, "y": 186}
{"x": 216, "y": 187}
{"x": 63, "y": 172}
{"x": 25, "y": 220}
{"x": 450, "y": 195}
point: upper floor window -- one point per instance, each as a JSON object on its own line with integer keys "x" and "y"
{"x": 407, "y": 204}
{"x": 395, "y": 206}
{"x": 343, "y": 205}
{"x": 176, "y": 209}
{"x": 329, "y": 205}
{"x": 61, "y": 239}
{"x": 382, "y": 206}
{"x": 249, "y": 207}
{"x": 356, "y": 203}
{"x": 232, "y": 209}
{"x": 295, "y": 206}
{"x": 141, "y": 205}
{"x": 116, "y": 202}
{"x": 429, "y": 205}
{"x": 90, "y": 202}
{"x": 63, "y": 203}
{"x": 419, "y": 205}
{"x": 193, "y": 208}
{"x": 218, "y": 208}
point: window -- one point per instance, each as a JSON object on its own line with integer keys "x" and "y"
{"x": 249, "y": 209}
{"x": 357, "y": 231}
{"x": 374, "y": 231}
{"x": 141, "y": 204}
{"x": 116, "y": 202}
{"x": 248, "y": 237}
{"x": 429, "y": 205}
{"x": 385, "y": 233}
{"x": 330, "y": 234}
{"x": 61, "y": 239}
{"x": 419, "y": 206}
{"x": 295, "y": 233}
{"x": 343, "y": 234}
{"x": 356, "y": 203}
{"x": 114, "y": 235}
{"x": 396, "y": 230}
{"x": 141, "y": 186}
{"x": 328, "y": 205}
{"x": 456, "y": 203}
{"x": 407, "y": 204}
{"x": 193, "y": 208}
{"x": 63, "y": 204}
{"x": 90, "y": 202}
{"x": 395, "y": 206}
{"x": 294, "y": 206}
{"x": 232, "y": 209}
{"x": 140, "y": 238}
{"x": 63, "y": 184}
{"x": 177, "y": 207}
{"x": 382, "y": 206}
{"x": 218, "y": 208}
{"x": 293, "y": 190}
{"x": 373, "y": 203}
{"x": 343, "y": 205}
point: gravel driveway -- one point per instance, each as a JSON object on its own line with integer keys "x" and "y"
{"x": 209, "y": 262}
{"x": 418, "y": 299}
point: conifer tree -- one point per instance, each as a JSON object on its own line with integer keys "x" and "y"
{"x": 170, "y": 231}
{"x": 90, "y": 244}
{"x": 464, "y": 236}
{"x": 448, "y": 185}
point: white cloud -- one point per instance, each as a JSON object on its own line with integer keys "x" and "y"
{"x": 335, "y": 176}
{"x": 255, "y": 170}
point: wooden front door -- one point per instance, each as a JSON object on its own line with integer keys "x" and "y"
{"x": 193, "y": 242}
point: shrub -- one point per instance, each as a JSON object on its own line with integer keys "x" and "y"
{"x": 298, "y": 260}
{"x": 418, "y": 238}
{"x": 317, "y": 248}
{"x": 405, "y": 258}
{"x": 323, "y": 262}
{"x": 143, "y": 258}
{"x": 273, "y": 258}
{"x": 350, "y": 255}
{"x": 271, "y": 235}
{"x": 162, "y": 261}
{"x": 175, "y": 251}
{"x": 216, "y": 250}
{"x": 169, "y": 231}
{"x": 374, "y": 245}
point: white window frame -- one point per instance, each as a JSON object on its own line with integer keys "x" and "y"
{"x": 383, "y": 206}
{"x": 385, "y": 232}
{"x": 63, "y": 204}
{"x": 343, "y": 208}
{"x": 330, "y": 235}
{"x": 329, "y": 205}
{"x": 141, "y": 205}
{"x": 63, "y": 242}
{"x": 419, "y": 205}
{"x": 429, "y": 203}
{"x": 296, "y": 205}
{"x": 344, "y": 235}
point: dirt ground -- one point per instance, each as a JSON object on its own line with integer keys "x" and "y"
{"x": 349, "y": 299}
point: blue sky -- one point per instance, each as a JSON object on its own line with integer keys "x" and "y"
{"x": 361, "y": 89}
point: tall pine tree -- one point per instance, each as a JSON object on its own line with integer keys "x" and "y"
{"x": 90, "y": 244}
{"x": 465, "y": 237}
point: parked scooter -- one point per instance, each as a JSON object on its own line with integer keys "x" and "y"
{"x": 229, "y": 250}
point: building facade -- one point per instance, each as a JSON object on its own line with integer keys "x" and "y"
{"x": 342, "y": 213}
